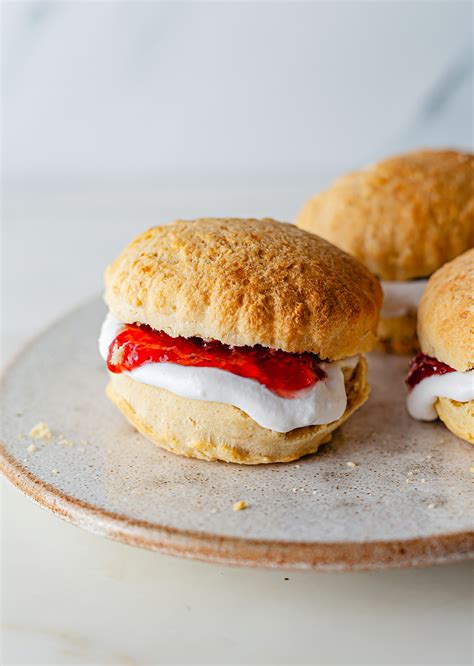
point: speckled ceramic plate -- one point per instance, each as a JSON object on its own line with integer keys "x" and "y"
{"x": 407, "y": 501}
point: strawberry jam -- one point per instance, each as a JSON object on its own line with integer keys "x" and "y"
{"x": 422, "y": 366}
{"x": 281, "y": 372}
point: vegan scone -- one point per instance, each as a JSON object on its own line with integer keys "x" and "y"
{"x": 237, "y": 340}
{"x": 441, "y": 376}
{"x": 403, "y": 218}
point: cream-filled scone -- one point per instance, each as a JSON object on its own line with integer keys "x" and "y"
{"x": 237, "y": 340}
{"x": 403, "y": 218}
{"x": 441, "y": 376}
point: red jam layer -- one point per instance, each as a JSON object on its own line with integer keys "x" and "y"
{"x": 281, "y": 372}
{"x": 422, "y": 366}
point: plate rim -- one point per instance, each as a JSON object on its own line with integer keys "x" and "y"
{"x": 223, "y": 549}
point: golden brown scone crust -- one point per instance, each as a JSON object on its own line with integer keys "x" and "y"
{"x": 457, "y": 417}
{"x": 446, "y": 314}
{"x": 403, "y": 217}
{"x": 246, "y": 282}
{"x": 397, "y": 335}
{"x": 216, "y": 431}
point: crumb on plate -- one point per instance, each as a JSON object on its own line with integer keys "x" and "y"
{"x": 40, "y": 431}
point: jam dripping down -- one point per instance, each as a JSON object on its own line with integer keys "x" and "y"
{"x": 281, "y": 372}
{"x": 422, "y": 366}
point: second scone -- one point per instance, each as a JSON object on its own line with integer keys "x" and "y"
{"x": 403, "y": 217}
{"x": 237, "y": 340}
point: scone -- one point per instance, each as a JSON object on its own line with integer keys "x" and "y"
{"x": 441, "y": 376}
{"x": 403, "y": 218}
{"x": 237, "y": 340}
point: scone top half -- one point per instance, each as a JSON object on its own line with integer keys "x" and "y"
{"x": 263, "y": 327}
{"x": 246, "y": 282}
{"x": 403, "y": 218}
{"x": 441, "y": 377}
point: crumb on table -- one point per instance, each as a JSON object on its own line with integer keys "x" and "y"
{"x": 32, "y": 448}
{"x": 351, "y": 464}
{"x": 240, "y": 506}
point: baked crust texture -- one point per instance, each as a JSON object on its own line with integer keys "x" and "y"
{"x": 457, "y": 417}
{"x": 246, "y": 282}
{"x": 403, "y": 217}
{"x": 446, "y": 314}
{"x": 217, "y": 431}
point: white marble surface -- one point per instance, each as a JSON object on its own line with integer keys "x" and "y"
{"x": 127, "y": 88}
{"x": 70, "y": 597}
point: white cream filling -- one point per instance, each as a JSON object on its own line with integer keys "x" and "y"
{"x": 322, "y": 403}
{"x": 457, "y": 386}
{"x": 401, "y": 298}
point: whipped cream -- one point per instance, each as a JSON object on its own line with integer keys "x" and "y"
{"x": 401, "y": 298}
{"x": 319, "y": 404}
{"x": 457, "y": 386}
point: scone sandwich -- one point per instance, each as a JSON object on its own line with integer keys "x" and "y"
{"x": 441, "y": 377}
{"x": 237, "y": 340}
{"x": 403, "y": 218}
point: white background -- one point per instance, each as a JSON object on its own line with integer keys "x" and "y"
{"x": 120, "y": 115}
{"x": 151, "y": 89}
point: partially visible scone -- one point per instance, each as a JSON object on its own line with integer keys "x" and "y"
{"x": 403, "y": 218}
{"x": 446, "y": 314}
{"x": 398, "y": 334}
{"x": 237, "y": 340}
{"x": 441, "y": 377}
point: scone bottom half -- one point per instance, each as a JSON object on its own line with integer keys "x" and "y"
{"x": 237, "y": 340}
{"x": 217, "y": 431}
